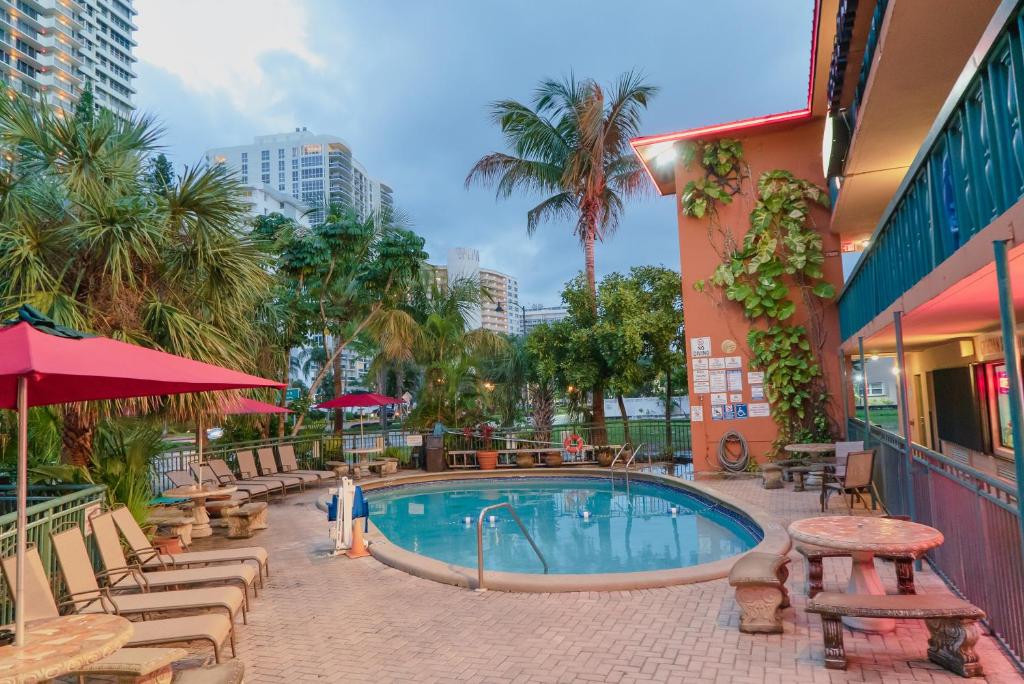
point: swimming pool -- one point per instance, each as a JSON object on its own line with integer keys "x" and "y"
{"x": 582, "y": 525}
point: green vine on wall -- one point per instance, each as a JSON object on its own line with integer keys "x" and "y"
{"x": 779, "y": 260}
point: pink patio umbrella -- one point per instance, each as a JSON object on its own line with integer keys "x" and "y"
{"x": 42, "y": 363}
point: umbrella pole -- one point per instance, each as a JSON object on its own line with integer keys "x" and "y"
{"x": 22, "y": 522}
{"x": 199, "y": 450}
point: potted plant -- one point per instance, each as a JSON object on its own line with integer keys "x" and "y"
{"x": 486, "y": 458}
{"x": 524, "y": 459}
{"x": 553, "y": 458}
{"x": 605, "y": 456}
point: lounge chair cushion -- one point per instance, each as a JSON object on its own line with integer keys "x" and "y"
{"x": 171, "y": 630}
{"x": 230, "y": 598}
{"x": 220, "y": 573}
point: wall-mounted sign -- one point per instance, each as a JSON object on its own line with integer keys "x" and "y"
{"x": 717, "y": 363}
{"x": 734, "y": 379}
{"x": 414, "y": 440}
{"x": 755, "y": 378}
{"x": 718, "y": 381}
{"x": 697, "y": 414}
{"x": 733, "y": 362}
{"x": 736, "y": 397}
{"x": 700, "y": 347}
{"x": 728, "y": 346}
{"x": 701, "y": 387}
{"x": 718, "y": 399}
{"x": 741, "y": 410}
{"x": 762, "y": 410}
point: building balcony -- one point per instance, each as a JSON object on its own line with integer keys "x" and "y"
{"x": 966, "y": 174}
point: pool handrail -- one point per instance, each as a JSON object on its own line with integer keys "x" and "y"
{"x": 480, "y": 540}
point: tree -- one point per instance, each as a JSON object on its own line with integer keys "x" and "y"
{"x": 85, "y": 108}
{"x": 351, "y": 276}
{"x": 573, "y": 145}
{"x": 161, "y": 173}
{"x": 85, "y": 241}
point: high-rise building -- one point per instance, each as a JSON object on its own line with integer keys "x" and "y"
{"x": 317, "y": 170}
{"x": 500, "y": 310}
{"x": 51, "y": 48}
{"x": 538, "y": 315}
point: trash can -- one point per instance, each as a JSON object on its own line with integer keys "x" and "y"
{"x": 435, "y": 453}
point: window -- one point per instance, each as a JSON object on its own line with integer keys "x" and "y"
{"x": 245, "y": 177}
{"x": 245, "y": 157}
{"x": 264, "y": 155}
{"x": 316, "y": 172}
{"x": 280, "y": 187}
{"x": 245, "y": 169}
{"x": 295, "y": 163}
{"x": 295, "y": 176}
{"x": 312, "y": 149}
{"x": 1002, "y": 388}
{"x": 876, "y": 389}
{"x": 264, "y": 167}
{"x": 280, "y": 166}
{"x": 265, "y": 179}
{"x": 280, "y": 153}
{"x": 311, "y": 161}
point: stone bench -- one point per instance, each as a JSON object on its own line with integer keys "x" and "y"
{"x": 219, "y": 508}
{"x": 815, "y": 570}
{"x": 771, "y": 476}
{"x": 231, "y": 672}
{"x": 760, "y": 581}
{"x": 245, "y": 519}
{"x": 135, "y": 665}
{"x": 952, "y": 625}
{"x": 173, "y": 523}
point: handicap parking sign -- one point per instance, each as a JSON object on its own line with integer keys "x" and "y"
{"x": 741, "y": 410}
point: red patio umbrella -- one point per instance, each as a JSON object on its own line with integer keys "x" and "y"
{"x": 42, "y": 363}
{"x": 360, "y": 400}
{"x": 247, "y": 406}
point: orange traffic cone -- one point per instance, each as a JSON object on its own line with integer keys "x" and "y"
{"x": 358, "y": 549}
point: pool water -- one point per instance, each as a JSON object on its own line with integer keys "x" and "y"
{"x": 626, "y": 531}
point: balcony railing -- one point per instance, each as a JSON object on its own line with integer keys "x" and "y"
{"x": 969, "y": 170}
{"x": 981, "y": 557}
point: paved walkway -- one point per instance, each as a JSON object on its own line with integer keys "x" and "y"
{"x": 323, "y": 619}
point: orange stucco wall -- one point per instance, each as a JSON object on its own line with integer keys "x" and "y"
{"x": 797, "y": 150}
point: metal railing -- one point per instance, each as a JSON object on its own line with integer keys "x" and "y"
{"x": 480, "y": 540}
{"x": 978, "y": 514}
{"x": 71, "y": 504}
{"x": 968, "y": 171}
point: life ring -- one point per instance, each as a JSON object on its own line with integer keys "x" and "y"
{"x": 573, "y": 444}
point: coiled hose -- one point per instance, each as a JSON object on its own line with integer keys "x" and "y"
{"x": 729, "y": 461}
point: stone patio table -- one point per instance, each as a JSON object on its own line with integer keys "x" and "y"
{"x": 56, "y": 646}
{"x": 863, "y": 537}
{"x": 199, "y": 495}
{"x": 817, "y": 452}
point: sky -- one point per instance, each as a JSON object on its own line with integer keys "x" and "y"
{"x": 408, "y": 83}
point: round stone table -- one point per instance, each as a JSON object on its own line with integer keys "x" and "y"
{"x": 201, "y": 525}
{"x": 863, "y": 537}
{"x": 56, "y": 646}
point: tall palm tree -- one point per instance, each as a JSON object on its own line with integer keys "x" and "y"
{"x": 573, "y": 145}
{"x": 85, "y": 238}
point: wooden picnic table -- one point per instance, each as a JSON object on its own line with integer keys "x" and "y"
{"x": 863, "y": 537}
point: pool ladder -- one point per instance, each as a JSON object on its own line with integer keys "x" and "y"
{"x": 480, "y": 540}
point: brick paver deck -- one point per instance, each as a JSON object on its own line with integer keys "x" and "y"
{"x": 324, "y": 619}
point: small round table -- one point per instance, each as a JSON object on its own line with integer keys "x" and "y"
{"x": 56, "y": 646}
{"x": 863, "y": 537}
{"x": 201, "y": 526}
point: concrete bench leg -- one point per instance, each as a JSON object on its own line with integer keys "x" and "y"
{"x": 905, "y": 575}
{"x": 783, "y": 578}
{"x": 835, "y": 654}
{"x": 259, "y": 520}
{"x": 951, "y": 645}
{"x": 815, "y": 572}
{"x": 759, "y": 609}
{"x": 239, "y": 526}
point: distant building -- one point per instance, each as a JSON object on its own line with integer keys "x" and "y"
{"x": 500, "y": 310}
{"x": 264, "y": 200}
{"x": 317, "y": 170}
{"x": 52, "y": 48}
{"x": 543, "y": 314}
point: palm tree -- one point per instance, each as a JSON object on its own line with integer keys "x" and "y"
{"x": 573, "y": 145}
{"x": 85, "y": 238}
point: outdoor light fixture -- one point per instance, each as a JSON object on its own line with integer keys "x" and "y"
{"x": 492, "y": 519}
{"x": 586, "y": 515}
{"x": 674, "y": 510}
{"x": 468, "y": 520}
{"x": 895, "y": 370}
{"x": 570, "y": 389}
{"x": 874, "y": 357}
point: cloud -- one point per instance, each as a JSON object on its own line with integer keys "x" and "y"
{"x": 222, "y": 49}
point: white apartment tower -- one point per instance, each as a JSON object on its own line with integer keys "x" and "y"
{"x": 317, "y": 170}
{"x": 50, "y": 48}
{"x": 500, "y": 310}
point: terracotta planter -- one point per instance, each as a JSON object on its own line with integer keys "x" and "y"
{"x": 487, "y": 460}
{"x": 525, "y": 460}
{"x": 167, "y": 544}
{"x": 605, "y": 457}
{"x": 553, "y": 459}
